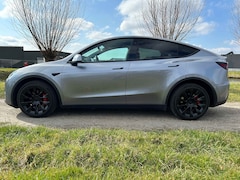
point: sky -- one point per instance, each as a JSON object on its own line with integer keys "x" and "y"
{"x": 108, "y": 18}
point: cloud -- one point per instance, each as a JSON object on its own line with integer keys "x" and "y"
{"x": 84, "y": 24}
{"x": 97, "y": 35}
{"x": 131, "y": 12}
{"x": 132, "y": 19}
{"x": 92, "y": 35}
{"x": 128, "y": 7}
{"x": 231, "y": 42}
{"x": 73, "y": 47}
{"x": 231, "y": 45}
{"x": 223, "y": 4}
{"x": 13, "y": 41}
{"x": 7, "y": 9}
{"x": 203, "y": 28}
{"x": 222, "y": 50}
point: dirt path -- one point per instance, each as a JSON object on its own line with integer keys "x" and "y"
{"x": 225, "y": 117}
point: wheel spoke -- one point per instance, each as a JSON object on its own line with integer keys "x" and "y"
{"x": 186, "y": 109}
{"x": 26, "y": 102}
{"x": 191, "y": 103}
{"x": 35, "y": 100}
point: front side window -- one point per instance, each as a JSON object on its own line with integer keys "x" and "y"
{"x": 113, "y": 50}
{"x": 118, "y": 54}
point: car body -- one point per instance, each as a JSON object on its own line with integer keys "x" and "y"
{"x": 129, "y": 71}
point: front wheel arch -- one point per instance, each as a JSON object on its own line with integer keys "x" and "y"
{"x": 33, "y": 78}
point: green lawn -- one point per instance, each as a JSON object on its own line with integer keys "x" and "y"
{"x": 234, "y": 93}
{"x": 42, "y": 153}
{"x": 2, "y": 83}
{"x": 234, "y": 74}
{"x": 4, "y": 72}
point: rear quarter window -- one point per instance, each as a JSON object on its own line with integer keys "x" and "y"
{"x": 184, "y": 50}
{"x": 175, "y": 50}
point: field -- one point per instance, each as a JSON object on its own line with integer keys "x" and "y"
{"x": 4, "y": 72}
{"x": 234, "y": 74}
{"x": 44, "y": 153}
{"x": 234, "y": 93}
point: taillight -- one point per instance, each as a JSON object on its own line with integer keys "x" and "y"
{"x": 224, "y": 65}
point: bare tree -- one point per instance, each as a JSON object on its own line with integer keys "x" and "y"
{"x": 171, "y": 19}
{"x": 49, "y": 24}
{"x": 236, "y": 20}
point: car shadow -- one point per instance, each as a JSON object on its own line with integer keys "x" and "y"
{"x": 218, "y": 118}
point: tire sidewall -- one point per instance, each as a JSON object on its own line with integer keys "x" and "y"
{"x": 176, "y": 95}
{"x": 47, "y": 88}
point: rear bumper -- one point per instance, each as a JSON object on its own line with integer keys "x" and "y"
{"x": 222, "y": 92}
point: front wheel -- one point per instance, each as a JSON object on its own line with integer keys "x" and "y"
{"x": 189, "y": 102}
{"x": 36, "y": 99}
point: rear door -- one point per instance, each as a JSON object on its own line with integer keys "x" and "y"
{"x": 151, "y": 73}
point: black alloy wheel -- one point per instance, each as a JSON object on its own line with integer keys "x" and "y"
{"x": 189, "y": 102}
{"x": 36, "y": 99}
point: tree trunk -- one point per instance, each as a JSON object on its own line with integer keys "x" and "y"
{"x": 49, "y": 55}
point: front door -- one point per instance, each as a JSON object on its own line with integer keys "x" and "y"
{"x": 101, "y": 76}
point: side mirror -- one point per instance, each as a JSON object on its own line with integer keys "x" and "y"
{"x": 76, "y": 59}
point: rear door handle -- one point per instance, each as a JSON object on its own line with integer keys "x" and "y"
{"x": 174, "y": 65}
{"x": 120, "y": 68}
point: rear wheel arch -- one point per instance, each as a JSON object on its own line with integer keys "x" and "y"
{"x": 210, "y": 90}
{"x": 34, "y": 78}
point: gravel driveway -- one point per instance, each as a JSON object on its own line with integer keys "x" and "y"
{"x": 225, "y": 117}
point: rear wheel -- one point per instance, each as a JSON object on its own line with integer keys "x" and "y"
{"x": 189, "y": 102}
{"x": 37, "y": 99}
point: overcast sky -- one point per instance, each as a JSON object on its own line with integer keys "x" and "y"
{"x": 106, "y": 18}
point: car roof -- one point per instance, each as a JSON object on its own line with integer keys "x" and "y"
{"x": 142, "y": 37}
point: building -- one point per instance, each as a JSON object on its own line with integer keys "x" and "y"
{"x": 15, "y": 57}
{"x": 233, "y": 60}
{"x": 11, "y": 56}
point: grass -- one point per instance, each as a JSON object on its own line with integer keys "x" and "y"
{"x": 41, "y": 153}
{"x": 4, "y": 72}
{"x": 234, "y": 74}
{"x": 2, "y": 86}
{"x": 234, "y": 93}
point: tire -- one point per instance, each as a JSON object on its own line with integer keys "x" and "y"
{"x": 37, "y": 99}
{"x": 189, "y": 102}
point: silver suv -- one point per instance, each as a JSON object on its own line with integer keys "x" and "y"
{"x": 124, "y": 72}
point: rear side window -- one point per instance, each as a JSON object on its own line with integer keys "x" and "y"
{"x": 160, "y": 49}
